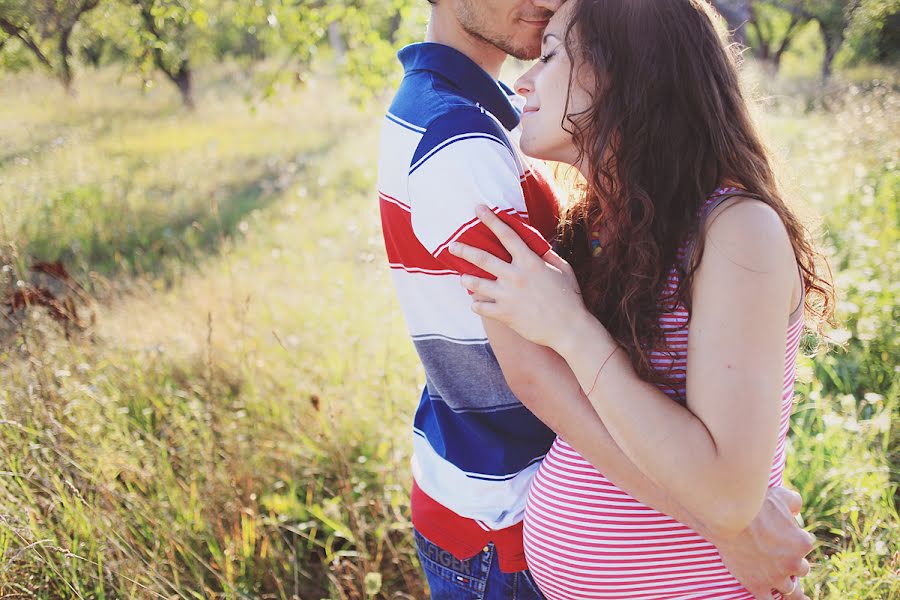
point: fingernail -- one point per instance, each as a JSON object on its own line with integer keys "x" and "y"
{"x": 481, "y": 209}
{"x": 453, "y": 247}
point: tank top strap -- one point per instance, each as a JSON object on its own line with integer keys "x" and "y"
{"x": 720, "y": 196}
{"x": 714, "y": 201}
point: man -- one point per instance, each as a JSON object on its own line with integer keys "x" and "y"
{"x": 449, "y": 143}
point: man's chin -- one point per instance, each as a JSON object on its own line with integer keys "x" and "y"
{"x": 530, "y": 52}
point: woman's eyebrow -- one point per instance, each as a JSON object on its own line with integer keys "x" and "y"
{"x": 547, "y": 36}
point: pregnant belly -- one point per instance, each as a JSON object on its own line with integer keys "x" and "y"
{"x": 587, "y": 539}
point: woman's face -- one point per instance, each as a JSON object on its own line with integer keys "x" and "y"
{"x": 546, "y": 89}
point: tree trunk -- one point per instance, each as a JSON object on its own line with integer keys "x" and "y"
{"x": 93, "y": 52}
{"x": 396, "y": 21}
{"x": 183, "y": 79}
{"x": 785, "y": 42}
{"x": 65, "y": 67}
{"x": 181, "y": 76}
{"x": 763, "y": 36}
{"x": 833, "y": 41}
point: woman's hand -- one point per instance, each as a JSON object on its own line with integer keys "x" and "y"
{"x": 537, "y": 297}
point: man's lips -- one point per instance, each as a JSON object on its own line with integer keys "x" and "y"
{"x": 541, "y": 23}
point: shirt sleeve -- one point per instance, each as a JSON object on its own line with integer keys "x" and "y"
{"x": 465, "y": 159}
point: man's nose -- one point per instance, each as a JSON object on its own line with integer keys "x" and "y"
{"x": 551, "y": 5}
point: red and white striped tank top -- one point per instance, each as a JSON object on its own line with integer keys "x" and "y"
{"x": 586, "y": 539}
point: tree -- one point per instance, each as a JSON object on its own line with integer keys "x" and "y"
{"x": 373, "y": 30}
{"x": 832, "y": 16}
{"x": 765, "y": 27}
{"x": 773, "y": 30}
{"x": 45, "y": 28}
{"x": 771, "y": 24}
{"x": 175, "y": 37}
{"x": 168, "y": 28}
{"x": 364, "y": 33}
{"x": 874, "y": 33}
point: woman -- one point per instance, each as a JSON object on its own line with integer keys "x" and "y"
{"x": 681, "y": 247}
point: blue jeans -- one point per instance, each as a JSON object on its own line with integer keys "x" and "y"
{"x": 476, "y": 578}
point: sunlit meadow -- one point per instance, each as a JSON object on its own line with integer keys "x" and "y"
{"x": 215, "y": 402}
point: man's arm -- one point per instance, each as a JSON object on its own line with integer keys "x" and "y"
{"x": 762, "y": 557}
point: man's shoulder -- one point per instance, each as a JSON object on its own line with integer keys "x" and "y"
{"x": 429, "y": 105}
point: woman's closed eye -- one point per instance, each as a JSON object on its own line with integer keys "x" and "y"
{"x": 545, "y": 58}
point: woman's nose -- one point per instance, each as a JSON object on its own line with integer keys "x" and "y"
{"x": 524, "y": 85}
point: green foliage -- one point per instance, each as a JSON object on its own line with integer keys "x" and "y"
{"x": 236, "y": 424}
{"x": 853, "y": 402}
{"x": 175, "y": 37}
{"x": 44, "y": 29}
{"x": 205, "y": 470}
{"x": 362, "y": 35}
{"x": 374, "y": 30}
{"x": 14, "y": 57}
{"x": 771, "y": 30}
{"x": 844, "y": 452}
{"x": 769, "y": 27}
{"x": 874, "y": 32}
{"x": 170, "y": 27}
{"x": 833, "y": 18}
{"x": 867, "y": 302}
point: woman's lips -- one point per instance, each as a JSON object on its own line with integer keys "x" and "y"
{"x": 528, "y": 110}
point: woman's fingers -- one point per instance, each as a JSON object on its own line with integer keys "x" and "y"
{"x": 478, "y": 257}
{"x": 792, "y": 589}
{"x": 555, "y": 260}
{"x": 507, "y": 236}
{"x": 488, "y": 310}
{"x": 792, "y": 500}
{"x": 476, "y": 297}
{"x": 485, "y": 289}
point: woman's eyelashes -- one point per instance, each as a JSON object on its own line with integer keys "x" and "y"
{"x": 545, "y": 58}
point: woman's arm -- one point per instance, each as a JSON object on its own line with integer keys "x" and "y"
{"x": 764, "y": 556}
{"x": 713, "y": 457}
{"x": 544, "y": 383}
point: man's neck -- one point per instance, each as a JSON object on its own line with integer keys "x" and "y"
{"x": 444, "y": 28}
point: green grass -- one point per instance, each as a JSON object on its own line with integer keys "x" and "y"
{"x": 235, "y": 423}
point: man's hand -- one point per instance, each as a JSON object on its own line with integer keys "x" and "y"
{"x": 772, "y": 550}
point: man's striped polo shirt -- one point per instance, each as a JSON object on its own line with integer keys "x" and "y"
{"x": 449, "y": 142}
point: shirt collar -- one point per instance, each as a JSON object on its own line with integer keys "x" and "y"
{"x": 473, "y": 82}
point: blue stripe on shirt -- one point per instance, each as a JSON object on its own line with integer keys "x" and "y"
{"x": 498, "y": 445}
{"x": 460, "y": 121}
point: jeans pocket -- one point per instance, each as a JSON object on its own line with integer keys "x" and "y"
{"x": 450, "y": 578}
{"x": 527, "y": 588}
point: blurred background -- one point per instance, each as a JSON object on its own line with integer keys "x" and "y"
{"x": 205, "y": 382}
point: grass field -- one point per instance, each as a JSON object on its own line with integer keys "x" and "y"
{"x": 217, "y": 403}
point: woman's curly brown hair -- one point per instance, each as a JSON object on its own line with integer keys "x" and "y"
{"x": 667, "y": 126}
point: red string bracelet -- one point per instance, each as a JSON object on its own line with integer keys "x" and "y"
{"x": 600, "y": 370}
